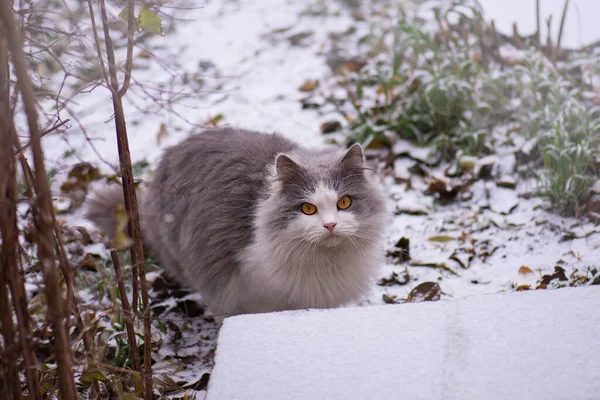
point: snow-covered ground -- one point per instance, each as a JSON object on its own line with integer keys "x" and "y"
{"x": 534, "y": 345}
{"x": 263, "y": 51}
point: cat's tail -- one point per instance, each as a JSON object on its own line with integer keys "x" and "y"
{"x": 101, "y": 205}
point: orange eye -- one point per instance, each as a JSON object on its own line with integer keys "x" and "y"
{"x": 308, "y": 209}
{"x": 344, "y": 202}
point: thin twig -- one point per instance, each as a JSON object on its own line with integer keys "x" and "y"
{"x": 44, "y": 133}
{"x": 97, "y": 41}
{"x": 129, "y": 63}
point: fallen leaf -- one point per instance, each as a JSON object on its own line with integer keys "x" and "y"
{"x": 559, "y": 273}
{"x": 393, "y": 279}
{"x": 441, "y": 238}
{"x": 401, "y": 250}
{"x": 300, "y": 39}
{"x": 390, "y": 299}
{"x": 330, "y": 127}
{"x": 524, "y": 270}
{"x": 309, "y": 85}
{"x": 426, "y": 291}
{"x": 84, "y": 172}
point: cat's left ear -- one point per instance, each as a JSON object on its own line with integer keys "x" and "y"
{"x": 354, "y": 159}
{"x": 288, "y": 171}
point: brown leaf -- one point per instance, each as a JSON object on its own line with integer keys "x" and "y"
{"x": 390, "y": 299}
{"x": 438, "y": 185}
{"x": 330, "y": 127}
{"x": 524, "y": 270}
{"x": 84, "y": 172}
{"x": 309, "y": 85}
{"x": 426, "y": 291}
{"x": 393, "y": 279}
{"x": 162, "y": 133}
{"x": 401, "y": 250}
{"x": 441, "y": 238}
{"x": 559, "y": 273}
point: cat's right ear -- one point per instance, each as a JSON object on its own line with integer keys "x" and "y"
{"x": 287, "y": 170}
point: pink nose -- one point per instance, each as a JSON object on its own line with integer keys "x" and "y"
{"x": 330, "y": 226}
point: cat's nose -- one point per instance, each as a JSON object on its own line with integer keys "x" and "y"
{"x": 330, "y": 226}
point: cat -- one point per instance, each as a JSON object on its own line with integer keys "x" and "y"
{"x": 256, "y": 223}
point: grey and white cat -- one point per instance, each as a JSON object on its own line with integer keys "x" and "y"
{"x": 256, "y": 223}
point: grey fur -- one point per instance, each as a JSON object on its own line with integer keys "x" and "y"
{"x": 223, "y": 217}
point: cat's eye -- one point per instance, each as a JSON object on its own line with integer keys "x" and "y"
{"x": 308, "y": 208}
{"x": 344, "y": 202}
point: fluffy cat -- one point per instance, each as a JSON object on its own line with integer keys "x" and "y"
{"x": 256, "y": 223}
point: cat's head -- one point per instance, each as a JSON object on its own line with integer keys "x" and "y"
{"x": 323, "y": 198}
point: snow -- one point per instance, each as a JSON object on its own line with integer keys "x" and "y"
{"x": 523, "y": 345}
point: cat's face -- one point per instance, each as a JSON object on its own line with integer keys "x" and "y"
{"x": 324, "y": 200}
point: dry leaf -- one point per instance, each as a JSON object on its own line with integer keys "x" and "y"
{"x": 309, "y": 86}
{"x": 214, "y": 121}
{"x": 441, "y": 238}
{"x": 426, "y": 291}
{"x": 120, "y": 239}
{"x": 162, "y": 133}
{"x": 524, "y": 270}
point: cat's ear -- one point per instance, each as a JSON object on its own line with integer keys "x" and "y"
{"x": 287, "y": 169}
{"x": 354, "y": 159}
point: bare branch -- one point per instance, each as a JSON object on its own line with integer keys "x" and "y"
{"x": 129, "y": 64}
{"x": 97, "y": 42}
{"x": 44, "y": 133}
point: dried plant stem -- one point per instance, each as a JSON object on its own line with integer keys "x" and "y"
{"x": 551, "y": 48}
{"x": 15, "y": 278}
{"x": 126, "y": 311}
{"x": 562, "y": 25}
{"x": 42, "y": 208}
{"x": 67, "y": 271}
{"x": 8, "y": 366}
{"x": 8, "y": 257}
{"x": 131, "y": 206}
{"x": 538, "y": 32}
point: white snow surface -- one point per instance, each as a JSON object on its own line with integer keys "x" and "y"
{"x": 526, "y": 345}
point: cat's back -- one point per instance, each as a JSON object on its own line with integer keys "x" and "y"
{"x": 219, "y": 157}
{"x": 209, "y": 186}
